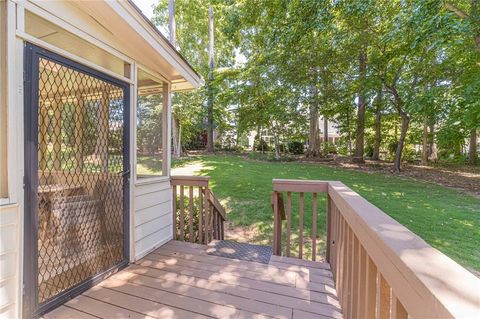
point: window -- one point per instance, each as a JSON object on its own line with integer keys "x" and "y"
{"x": 150, "y": 155}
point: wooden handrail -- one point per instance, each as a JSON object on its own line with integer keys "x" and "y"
{"x": 299, "y": 186}
{"x": 203, "y": 213}
{"x": 383, "y": 270}
{"x": 199, "y": 181}
{"x": 216, "y": 204}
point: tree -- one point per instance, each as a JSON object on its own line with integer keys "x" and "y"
{"x": 389, "y": 74}
{"x": 193, "y": 42}
{"x": 210, "y": 94}
{"x": 378, "y": 125}
{"x": 469, "y": 14}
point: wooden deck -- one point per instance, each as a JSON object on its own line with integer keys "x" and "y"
{"x": 179, "y": 280}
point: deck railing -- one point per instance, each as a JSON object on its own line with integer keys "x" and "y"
{"x": 198, "y": 216}
{"x": 381, "y": 269}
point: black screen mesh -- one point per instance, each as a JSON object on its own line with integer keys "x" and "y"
{"x": 80, "y": 165}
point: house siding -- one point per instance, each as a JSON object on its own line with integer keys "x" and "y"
{"x": 9, "y": 254}
{"x": 153, "y": 216}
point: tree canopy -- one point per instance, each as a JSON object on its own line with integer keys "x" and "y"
{"x": 391, "y": 75}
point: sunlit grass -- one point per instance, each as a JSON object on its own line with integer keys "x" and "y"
{"x": 446, "y": 218}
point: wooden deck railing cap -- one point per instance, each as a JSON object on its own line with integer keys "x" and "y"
{"x": 425, "y": 280}
{"x": 295, "y": 185}
{"x": 189, "y": 180}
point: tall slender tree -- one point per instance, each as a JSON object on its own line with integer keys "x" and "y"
{"x": 210, "y": 93}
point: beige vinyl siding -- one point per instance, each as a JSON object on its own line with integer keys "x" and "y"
{"x": 153, "y": 216}
{"x": 3, "y": 101}
{"x": 9, "y": 250}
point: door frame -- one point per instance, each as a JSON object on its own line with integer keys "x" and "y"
{"x": 31, "y": 308}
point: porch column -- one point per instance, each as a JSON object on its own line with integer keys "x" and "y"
{"x": 79, "y": 127}
{"x": 102, "y": 139}
{"x": 166, "y": 128}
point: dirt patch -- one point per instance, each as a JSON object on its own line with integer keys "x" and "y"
{"x": 461, "y": 177}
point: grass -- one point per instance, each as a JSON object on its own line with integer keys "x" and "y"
{"x": 447, "y": 219}
{"x": 152, "y": 165}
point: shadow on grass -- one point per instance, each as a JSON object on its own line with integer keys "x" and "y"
{"x": 447, "y": 219}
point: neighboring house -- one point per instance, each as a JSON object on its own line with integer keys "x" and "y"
{"x": 265, "y": 134}
{"x": 333, "y": 132}
{"x": 72, "y": 207}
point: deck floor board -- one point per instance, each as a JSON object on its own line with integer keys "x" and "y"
{"x": 180, "y": 280}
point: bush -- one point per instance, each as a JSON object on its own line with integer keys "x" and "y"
{"x": 392, "y": 149}
{"x": 369, "y": 150}
{"x": 269, "y": 157}
{"x": 232, "y": 148}
{"x": 331, "y": 149}
{"x": 261, "y": 145}
{"x": 449, "y": 157}
{"x": 217, "y": 145}
{"x": 409, "y": 154}
{"x": 296, "y": 147}
{"x": 281, "y": 148}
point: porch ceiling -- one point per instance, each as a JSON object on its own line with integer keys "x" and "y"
{"x": 141, "y": 41}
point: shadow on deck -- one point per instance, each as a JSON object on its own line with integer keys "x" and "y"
{"x": 180, "y": 280}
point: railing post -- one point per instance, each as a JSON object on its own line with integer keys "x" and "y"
{"x": 277, "y": 226}
{"x": 329, "y": 227}
{"x": 207, "y": 216}
{"x": 174, "y": 210}
{"x": 200, "y": 215}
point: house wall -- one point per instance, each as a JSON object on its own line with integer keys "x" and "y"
{"x": 153, "y": 216}
{"x": 150, "y": 202}
{"x": 9, "y": 253}
{"x": 3, "y": 102}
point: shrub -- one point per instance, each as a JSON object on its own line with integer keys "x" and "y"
{"x": 296, "y": 147}
{"x": 369, "y": 150}
{"x": 392, "y": 148}
{"x": 281, "y": 148}
{"x": 330, "y": 149}
{"x": 269, "y": 157}
{"x": 261, "y": 145}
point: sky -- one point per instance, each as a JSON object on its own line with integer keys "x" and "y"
{"x": 146, "y": 6}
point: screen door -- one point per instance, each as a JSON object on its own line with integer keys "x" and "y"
{"x": 76, "y": 181}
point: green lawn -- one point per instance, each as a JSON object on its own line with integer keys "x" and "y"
{"x": 445, "y": 218}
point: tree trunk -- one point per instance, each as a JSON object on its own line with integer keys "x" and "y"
{"x": 325, "y": 136}
{"x": 472, "y": 151}
{"x": 211, "y": 66}
{"x": 432, "y": 148}
{"x": 401, "y": 142}
{"x": 360, "y": 132}
{"x": 378, "y": 127}
{"x": 277, "y": 146}
{"x": 349, "y": 134}
{"x": 314, "y": 138}
{"x": 425, "y": 141}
